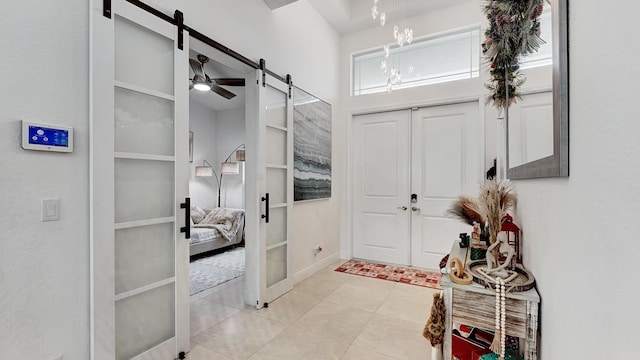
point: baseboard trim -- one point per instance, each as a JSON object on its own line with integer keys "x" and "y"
{"x": 309, "y": 271}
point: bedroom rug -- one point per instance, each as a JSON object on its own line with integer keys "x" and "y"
{"x": 208, "y": 272}
{"x": 430, "y": 279}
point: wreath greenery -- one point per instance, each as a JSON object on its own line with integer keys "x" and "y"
{"x": 514, "y": 30}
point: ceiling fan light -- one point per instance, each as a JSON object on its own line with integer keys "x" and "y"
{"x": 200, "y": 84}
{"x": 202, "y": 87}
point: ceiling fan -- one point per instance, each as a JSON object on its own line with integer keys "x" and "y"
{"x": 201, "y": 81}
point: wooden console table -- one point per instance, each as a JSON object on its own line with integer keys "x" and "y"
{"x": 475, "y": 306}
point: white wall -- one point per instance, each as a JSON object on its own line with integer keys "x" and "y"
{"x": 580, "y": 233}
{"x": 230, "y": 134}
{"x": 202, "y": 122}
{"x": 44, "y": 267}
{"x": 215, "y": 134}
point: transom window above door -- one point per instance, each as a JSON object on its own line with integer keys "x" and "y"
{"x": 454, "y": 55}
{"x": 448, "y": 57}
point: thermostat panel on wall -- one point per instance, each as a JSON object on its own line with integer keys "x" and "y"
{"x": 46, "y": 137}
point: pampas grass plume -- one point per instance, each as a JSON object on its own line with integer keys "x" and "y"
{"x": 467, "y": 209}
{"x": 495, "y": 200}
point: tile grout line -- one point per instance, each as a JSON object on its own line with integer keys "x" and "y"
{"x": 286, "y": 327}
{"x": 367, "y": 324}
{"x": 320, "y": 301}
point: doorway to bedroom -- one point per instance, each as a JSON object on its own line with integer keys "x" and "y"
{"x": 217, "y": 191}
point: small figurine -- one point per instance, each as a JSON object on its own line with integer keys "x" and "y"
{"x": 504, "y": 248}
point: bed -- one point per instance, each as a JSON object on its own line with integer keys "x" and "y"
{"x": 215, "y": 228}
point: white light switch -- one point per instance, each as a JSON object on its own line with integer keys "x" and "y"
{"x": 50, "y": 210}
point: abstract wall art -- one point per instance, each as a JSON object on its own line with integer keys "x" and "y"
{"x": 311, "y": 147}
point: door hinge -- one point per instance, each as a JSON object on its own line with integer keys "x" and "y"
{"x": 290, "y": 83}
{"x": 179, "y": 17}
{"x": 106, "y": 8}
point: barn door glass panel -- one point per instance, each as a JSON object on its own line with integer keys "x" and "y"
{"x": 144, "y": 189}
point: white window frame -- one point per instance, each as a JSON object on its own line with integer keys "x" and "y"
{"x": 434, "y": 38}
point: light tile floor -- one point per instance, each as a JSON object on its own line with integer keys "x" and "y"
{"x": 330, "y": 315}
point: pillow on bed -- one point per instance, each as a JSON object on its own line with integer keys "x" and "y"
{"x": 197, "y": 214}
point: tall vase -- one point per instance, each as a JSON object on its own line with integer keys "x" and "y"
{"x": 493, "y": 253}
{"x": 496, "y": 250}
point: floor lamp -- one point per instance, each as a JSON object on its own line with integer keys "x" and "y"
{"x": 227, "y": 167}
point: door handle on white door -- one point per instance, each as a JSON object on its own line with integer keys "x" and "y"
{"x": 415, "y": 209}
{"x": 403, "y": 208}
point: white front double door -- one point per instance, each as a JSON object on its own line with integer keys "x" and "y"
{"x": 408, "y": 167}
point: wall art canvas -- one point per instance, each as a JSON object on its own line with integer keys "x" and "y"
{"x": 311, "y": 147}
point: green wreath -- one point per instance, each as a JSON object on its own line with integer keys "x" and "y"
{"x": 514, "y": 30}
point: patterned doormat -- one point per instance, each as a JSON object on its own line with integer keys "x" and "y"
{"x": 430, "y": 279}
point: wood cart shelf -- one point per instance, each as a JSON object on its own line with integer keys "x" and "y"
{"x": 475, "y": 305}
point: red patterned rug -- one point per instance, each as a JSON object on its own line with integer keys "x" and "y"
{"x": 430, "y": 279}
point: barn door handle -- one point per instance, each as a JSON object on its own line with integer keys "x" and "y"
{"x": 186, "y": 229}
{"x": 265, "y": 216}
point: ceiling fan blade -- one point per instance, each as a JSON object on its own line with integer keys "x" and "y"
{"x": 222, "y": 92}
{"x": 196, "y": 66}
{"x": 230, "y": 81}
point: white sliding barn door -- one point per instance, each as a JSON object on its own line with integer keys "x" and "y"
{"x": 447, "y": 162}
{"x": 270, "y": 202}
{"x": 381, "y": 158}
{"x": 139, "y": 177}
